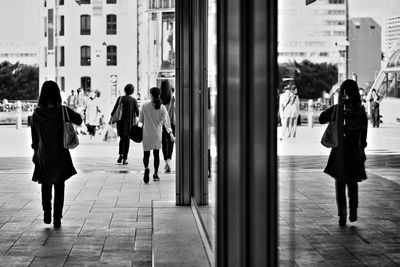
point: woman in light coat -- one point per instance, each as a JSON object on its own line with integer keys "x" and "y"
{"x": 153, "y": 115}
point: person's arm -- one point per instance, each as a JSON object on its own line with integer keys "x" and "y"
{"x": 141, "y": 116}
{"x": 326, "y": 115}
{"x": 167, "y": 123}
{"x": 74, "y": 117}
{"x": 34, "y": 134}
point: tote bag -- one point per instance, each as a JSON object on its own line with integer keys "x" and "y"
{"x": 330, "y": 138}
{"x": 70, "y": 138}
{"x": 118, "y": 113}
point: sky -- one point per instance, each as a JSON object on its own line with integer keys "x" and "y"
{"x": 19, "y": 18}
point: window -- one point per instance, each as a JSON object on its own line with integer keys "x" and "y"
{"x": 111, "y": 55}
{"x": 85, "y": 83}
{"x": 111, "y": 24}
{"x": 85, "y": 55}
{"x": 62, "y": 56}
{"x": 111, "y": 1}
{"x": 45, "y": 3}
{"x": 61, "y": 25}
{"x": 85, "y": 2}
{"x": 372, "y": 27}
{"x": 61, "y": 2}
{"x": 336, "y": 1}
{"x": 85, "y": 25}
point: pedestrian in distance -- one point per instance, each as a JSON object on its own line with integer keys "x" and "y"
{"x": 53, "y": 163}
{"x": 168, "y": 100}
{"x": 92, "y": 114}
{"x": 293, "y": 111}
{"x": 284, "y": 101}
{"x": 130, "y": 110}
{"x": 346, "y": 163}
{"x": 153, "y": 116}
{"x": 80, "y": 105}
{"x": 71, "y": 100}
{"x": 374, "y": 103}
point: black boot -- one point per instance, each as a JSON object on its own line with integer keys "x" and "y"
{"x": 342, "y": 217}
{"x": 57, "y": 222}
{"x": 119, "y": 160}
{"x": 47, "y": 217}
{"x": 353, "y": 215}
{"x": 146, "y": 177}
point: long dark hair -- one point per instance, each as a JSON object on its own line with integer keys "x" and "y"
{"x": 166, "y": 93}
{"x": 155, "y": 95}
{"x": 350, "y": 89}
{"x": 49, "y": 94}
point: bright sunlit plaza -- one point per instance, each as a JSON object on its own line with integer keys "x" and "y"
{"x": 191, "y": 132}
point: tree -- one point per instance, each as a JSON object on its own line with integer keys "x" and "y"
{"x": 311, "y": 79}
{"x": 18, "y": 81}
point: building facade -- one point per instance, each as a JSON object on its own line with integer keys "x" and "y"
{"x": 320, "y": 39}
{"x": 392, "y": 35}
{"x": 92, "y": 45}
{"x": 364, "y": 50}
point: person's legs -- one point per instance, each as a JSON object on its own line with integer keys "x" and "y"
{"x": 295, "y": 119}
{"x": 125, "y": 151}
{"x": 378, "y": 117}
{"x": 374, "y": 115}
{"x": 352, "y": 192}
{"x": 341, "y": 201}
{"x": 46, "y": 202}
{"x": 58, "y": 200}
{"x": 165, "y": 144}
{"x": 285, "y": 126}
{"x": 156, "y": 154}
{"x": 146, "y": 157}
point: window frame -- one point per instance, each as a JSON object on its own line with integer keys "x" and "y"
{"x": 111, "y": 25}
{"x": 85, "y": 23}
{"x": 85, "y": 55}
{"x": 112, "y": 55}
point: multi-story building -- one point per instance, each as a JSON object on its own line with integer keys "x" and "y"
{"x": 92, "y": 45}
{"x": 364, "y": 50}
{"x": 392, "y": 35}
{"x": 316, "y": 32}
{"x": 22, "y": 52}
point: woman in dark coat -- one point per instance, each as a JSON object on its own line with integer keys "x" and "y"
{"x": 130, "y": 110}
{"x": 346, "y": 162}
{"x": 53, "y": 163}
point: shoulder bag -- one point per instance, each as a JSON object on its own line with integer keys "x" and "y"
{"x": 330, "y": 138}
{"x": 70, "y": 138}
{"x": 118, "y": 113}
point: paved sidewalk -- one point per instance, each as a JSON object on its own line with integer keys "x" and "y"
{"x": 107, "y": 221}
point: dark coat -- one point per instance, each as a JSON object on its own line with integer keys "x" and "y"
{"x": 130, "y": 110}
{"x": 347, "y": 163}
{"x": 53, "y": 163}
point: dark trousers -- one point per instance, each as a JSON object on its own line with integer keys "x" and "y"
{"x": 375, "y": 115}
{"x": 352, "y": 193}
{"x": 146, "y": 159}
{"x": 91, "y": 129}
{"x": 124, "y": 142}
{"x": 58, "y": 198}
{"x": 167, "y": 144}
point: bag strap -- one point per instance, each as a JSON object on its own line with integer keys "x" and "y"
{"x": 64, "y": 109}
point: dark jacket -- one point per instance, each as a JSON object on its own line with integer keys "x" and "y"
{"x": 53, "y": 163}
{"x": 347, "y": 162}
{"x": 130, "y": 110}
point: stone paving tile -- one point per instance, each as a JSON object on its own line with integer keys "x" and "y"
{"x": 309, "y": 232}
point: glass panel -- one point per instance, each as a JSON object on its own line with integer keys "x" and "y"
{"x": 168, "y": 41}
{"x": 85, "y": 55}
{"x": 85, "y": 25}
{"x": 317, "y": 218}
{"x": 111, "y": 55}
{"x": 111, "y": 24}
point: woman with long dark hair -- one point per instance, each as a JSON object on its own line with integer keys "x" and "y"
{"x": 346, "y": 163}
{"x": 168, "y": 100}
{"x": 153, "y": 116}
{"x": 130, "y": 110}
{"x": 53, "y": 163}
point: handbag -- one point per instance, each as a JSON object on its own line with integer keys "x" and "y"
{"x": 330, "y": 138}
{"x": 118, "y": 113}
{"x": 70, "y": 138}
{"x": 136, "y": 133}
